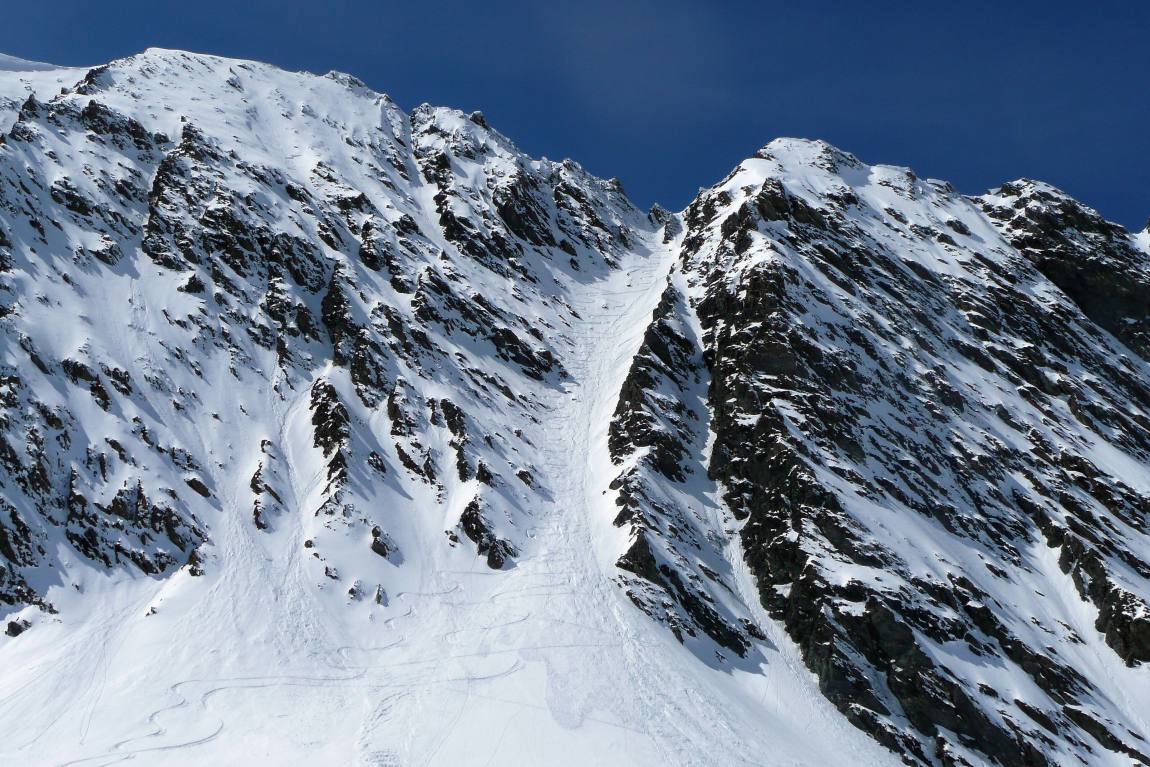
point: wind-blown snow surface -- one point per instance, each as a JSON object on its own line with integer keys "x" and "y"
{"x": 20, "y": 79}
{"x": 14, "y": 64}
{"x": 334, "y": 434}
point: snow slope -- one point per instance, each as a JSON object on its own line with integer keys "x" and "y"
{"x": 20, "y": 79}
{"x": 298, "y": 641}
{"x": 13, "y": 64}
{"x": 335, "y": 434}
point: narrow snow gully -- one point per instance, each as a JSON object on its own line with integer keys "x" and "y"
{"x": 553, "y": 660}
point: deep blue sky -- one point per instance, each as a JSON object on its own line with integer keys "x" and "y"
{"x": 669, "y": 95}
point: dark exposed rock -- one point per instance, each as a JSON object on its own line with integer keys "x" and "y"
{"x": 654, "y": 419}
{"x": 381, "y": 543}
{"x": 336, "y": 314}
{"x": 1100, "y": 732}
{"x": 329, "y": 417}
{"x": 499, "y": 552}
{"x": 1092, "y": 260}
{"x": 198, "y": 485}
{"x": 796, "y": 447}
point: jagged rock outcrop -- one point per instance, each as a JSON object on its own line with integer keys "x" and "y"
{"x": 658, "y": 435}
{"x": 1094, "y": 262}
{"x": 908, "y": 409}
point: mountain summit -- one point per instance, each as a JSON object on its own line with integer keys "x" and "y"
{"x": 335, "y": 434}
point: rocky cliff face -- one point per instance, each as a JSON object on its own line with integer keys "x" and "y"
{"x": 929, "y": 414}
{"x": 252, "y": 316}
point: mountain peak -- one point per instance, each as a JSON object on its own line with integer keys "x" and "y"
{"x": 804, "y": 150}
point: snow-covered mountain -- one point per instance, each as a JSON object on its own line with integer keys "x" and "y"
{"x": 333, "y": 434}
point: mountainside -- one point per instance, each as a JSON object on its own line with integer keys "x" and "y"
{"x": 335, "y": 434}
